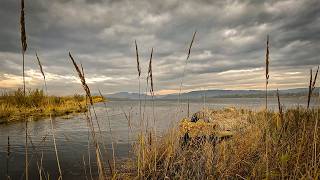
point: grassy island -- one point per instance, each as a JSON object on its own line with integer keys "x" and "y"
{"x": 14, "y": 106}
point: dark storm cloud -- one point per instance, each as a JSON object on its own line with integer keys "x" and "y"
{"x": 229, "y": 46}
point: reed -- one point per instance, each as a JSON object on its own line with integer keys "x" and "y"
{"x": 8, "y": 158}
{"x": 267, "y": 70}
{"x": 139, "y": 75}
{"x": 112, "y": 169}
{"x": 280, "y": 108}
{"x": 312, "y": 85}
{"x": 185, "y": 65}
{"x": 150, "y": 74}
{"x": 128, "y": 118}
{"x": 89, "y": 118}
{"x": 23, "y": 50}
{"x": 266, "y": 114}
{"x": 141, "y": 117}
{"x": 24, "y": 44}
{"x": 52, "y": 129}
{"x": 82, "y": 79}
{"x": 138, "y": 62}
{"x": 84, "y": 167}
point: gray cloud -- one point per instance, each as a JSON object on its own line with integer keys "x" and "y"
{"x": 228, "y": 51}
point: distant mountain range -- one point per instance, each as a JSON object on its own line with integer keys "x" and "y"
{"x": 215, "y": 94}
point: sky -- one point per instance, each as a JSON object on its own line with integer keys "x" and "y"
{"x": 228, "y": 50}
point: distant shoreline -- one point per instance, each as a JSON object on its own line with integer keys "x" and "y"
{"x": 35, "y": 105}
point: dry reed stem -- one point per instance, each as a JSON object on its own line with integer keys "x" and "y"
{"x": 312, "y": 85}
{"x": 189, "y": 50}
{"x": 267, "y": 71}
{"x": 139, "y": 74}
{"x": 23, "y": 28}
{"x": 40, "y": 66}
{"x": 89, "y": 118}
{"x": 24, "y": 48}
{"x": 84, "y": 167}
{"x": 266, "y": 112}
{"x": 279, "y": 105}
{"x": 23, "y": 41}
{"x": 150, "y": 73}
{"x": 8, "y": 157}
{"x": 267, "y": 59}
{"x": 184, "y": 68}
{"x": 82, "y": 78}
{"x": 112, "y": 170}
{"x": 137, "y": 55}
{"x": 52, "y": 129}
{"x": 26, "y": 151}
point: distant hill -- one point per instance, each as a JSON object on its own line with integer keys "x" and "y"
{"x": 216, "y": 93}
{"x": 126, "y": 95}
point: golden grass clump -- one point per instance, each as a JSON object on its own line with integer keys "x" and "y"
{"x": 292, "y": 147}
{"x": 35, "y": 104}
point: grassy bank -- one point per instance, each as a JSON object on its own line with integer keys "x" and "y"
{"x": 14, "y": 106}
{"x": 258, "y": 145}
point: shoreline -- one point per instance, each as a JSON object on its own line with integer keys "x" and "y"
{"x": 12, "y": 111}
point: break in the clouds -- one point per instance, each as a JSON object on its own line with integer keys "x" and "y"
{"x": 228, "y": 51}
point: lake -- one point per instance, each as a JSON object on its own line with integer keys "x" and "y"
{"x": 72, "y": 134}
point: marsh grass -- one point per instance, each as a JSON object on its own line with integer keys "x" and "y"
{"x": 50, "y": 115}
{"x": 291, "y": 144}
{"x": 14, "y": 106}
{"x": 90, "y": 120}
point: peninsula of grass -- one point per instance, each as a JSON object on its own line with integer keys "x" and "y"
{"x": 232, "y": 144}
{"x": 35, "y": 105}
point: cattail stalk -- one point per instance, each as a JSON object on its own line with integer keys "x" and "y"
{"x": 23, "y": 50}
{"x": 266, "y": 112}
{"x": 312, "y": 85}
{"x": 279, "y": 106}
{"x": 89, "y": 117}
{"x": 139, "y": 75}
{"x": 82, "y": 78}
{"x": 186, "y": 62}
{"x": 24, "y": 44}
{"x": 137, "y": 55}
{"x": 150, "y": 75}
{"x": 42, "y": 72}
{"x": 267, "y": 71}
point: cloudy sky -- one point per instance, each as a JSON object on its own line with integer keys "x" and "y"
{"x": 228, "y": 51}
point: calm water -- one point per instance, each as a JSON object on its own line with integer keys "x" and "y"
{"x": 72, "y": 134}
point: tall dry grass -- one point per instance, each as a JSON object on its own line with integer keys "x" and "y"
{"x": 50, "y": 115}
{"x": 89, "y": 119}
{"x": 266, "y": 114}
{"x": 291, "y": 145}
{"x": 23, "y": 50}
{"x": 312, "y": 85}
{"x": 267, "y": 70}
{"x": 185, "y": 66}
